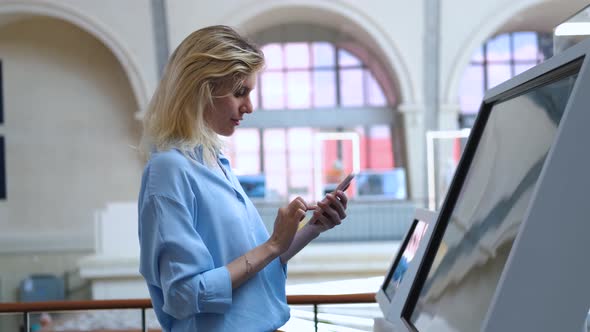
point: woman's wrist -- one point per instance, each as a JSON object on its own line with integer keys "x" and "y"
{"x": 272, "y": 248}
{"x": 313, "y": 228}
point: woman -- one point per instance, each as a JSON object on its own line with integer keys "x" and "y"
{"x": 206, "y": 256}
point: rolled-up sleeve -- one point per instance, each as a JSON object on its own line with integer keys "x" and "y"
{"x": 174, "y": 257}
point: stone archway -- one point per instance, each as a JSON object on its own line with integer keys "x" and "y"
{"x": 55, "y": 9}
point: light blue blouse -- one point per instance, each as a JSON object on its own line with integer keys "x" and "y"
{"x": 193, "y": 221}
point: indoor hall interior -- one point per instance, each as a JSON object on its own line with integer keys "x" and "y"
{"x": 388, "y": 90}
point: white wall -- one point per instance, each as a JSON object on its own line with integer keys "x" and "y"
{"x": 125, "y": 27}
{"x": 129, "y": 25}
{"x": 69, "y": 127}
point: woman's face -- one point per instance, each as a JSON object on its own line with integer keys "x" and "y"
{"x": 229, "y": 110}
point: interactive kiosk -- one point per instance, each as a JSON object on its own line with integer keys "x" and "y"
{"x": 509, "y": 249}
{"x": 404, "y": 266}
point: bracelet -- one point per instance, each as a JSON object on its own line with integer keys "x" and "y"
{"x": 248, "y": 265}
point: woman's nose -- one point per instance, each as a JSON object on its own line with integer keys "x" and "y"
{"x": 246, "y": 107}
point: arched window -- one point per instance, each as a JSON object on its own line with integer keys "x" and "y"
{"x": 304, "y": 75}
{"x": 497, "y": 60}
{"x": 320, "y": 112}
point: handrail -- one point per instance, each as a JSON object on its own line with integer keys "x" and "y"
{"x": 331, "y": 299}
{"x": 14, "y": 307}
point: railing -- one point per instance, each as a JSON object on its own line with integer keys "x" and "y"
{"x": 26, "y": 308}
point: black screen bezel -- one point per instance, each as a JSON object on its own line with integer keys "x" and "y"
{"x": 568, "y": 69}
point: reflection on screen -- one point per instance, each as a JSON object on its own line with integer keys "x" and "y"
{"x": 408, "y": 250}
{"x": 489, "y": 209}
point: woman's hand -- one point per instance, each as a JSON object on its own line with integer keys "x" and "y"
{"x": 330, "y": 212}
{"x": 287, "y": 223}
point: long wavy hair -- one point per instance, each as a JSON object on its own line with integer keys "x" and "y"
{"x": 209, "y": 63}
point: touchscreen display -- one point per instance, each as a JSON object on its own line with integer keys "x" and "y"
{"x": 405, "y": 255}
{"x": 489, "y": 209}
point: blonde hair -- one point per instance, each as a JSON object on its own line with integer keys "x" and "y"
{"x": 208, "y": 63}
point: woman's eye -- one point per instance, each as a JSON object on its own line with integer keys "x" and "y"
{"x": 241, "y": 93}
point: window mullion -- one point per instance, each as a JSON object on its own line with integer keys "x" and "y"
{"x": 337, "y": 79}
{"x": 512, "y": 60}
{"x": 285, "y": 71}
{"x": 261, "y": 149}
{"x": 485, "y": 67}
{"x": 311, "y": 71}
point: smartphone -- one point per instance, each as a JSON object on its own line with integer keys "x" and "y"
{"x": 346, "y": 182}
{"x": 343, "y": 185}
